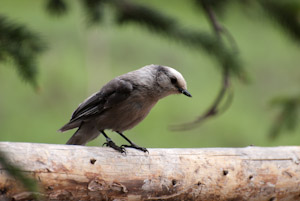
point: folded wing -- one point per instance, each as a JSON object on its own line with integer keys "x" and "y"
{"x": 113, "y": 93}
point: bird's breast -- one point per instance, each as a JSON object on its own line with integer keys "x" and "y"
{"x": 126, "y": 115}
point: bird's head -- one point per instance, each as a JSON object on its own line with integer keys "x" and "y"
{"x": 171, "y": 81}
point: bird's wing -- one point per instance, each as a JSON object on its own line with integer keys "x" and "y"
{"x": 114, "y": 92}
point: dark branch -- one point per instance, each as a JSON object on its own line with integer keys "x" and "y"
{"x": 57, "y": 7}
{"x": 212, "y": 18}
{"x": 288, "y": 116}
{"x": 214, "y": 109}
{"x": 155, "y": 21}
{"x": 285, "y": 14}
{"x": 22, "y": 46}
{"x": 93, "y": 10}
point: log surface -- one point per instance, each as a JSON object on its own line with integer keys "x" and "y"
{"x": 67, "y": 172}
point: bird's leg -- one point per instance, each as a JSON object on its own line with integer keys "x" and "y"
{"x": 110, "y": 143}
{"x": 132, "y": 145}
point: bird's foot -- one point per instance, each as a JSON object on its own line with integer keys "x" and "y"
{"x": 134, "y": 146}
{"x": 111, "y": 144}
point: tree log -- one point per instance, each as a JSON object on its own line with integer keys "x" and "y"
{"x": 67, "y": 172}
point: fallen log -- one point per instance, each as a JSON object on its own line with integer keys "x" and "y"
{"x": 67, "y": 172}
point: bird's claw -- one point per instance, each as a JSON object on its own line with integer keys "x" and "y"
{"x": 114, "y": 146}
{"x": 134, "y": 146}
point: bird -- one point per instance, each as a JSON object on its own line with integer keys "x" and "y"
{"x": 123, "y": 103}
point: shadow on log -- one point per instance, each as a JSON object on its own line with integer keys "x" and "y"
{"x": 66, "y": 172}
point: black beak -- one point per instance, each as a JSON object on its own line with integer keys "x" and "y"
{"x": 185, "y": 92}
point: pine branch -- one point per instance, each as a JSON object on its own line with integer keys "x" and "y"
{"x": 22, "y": 46}
{"x": 215, "y": 108}
{"x": 17, "y": 173}
{"x": 57, "y": 7}
{"x": 93, "y": 10}
{"x": 286, "y": 14}
{"x": 288, "y": 117}
{"x": 167, "y": 26}
{"x": 216, "y": 5}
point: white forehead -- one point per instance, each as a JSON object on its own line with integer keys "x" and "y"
{"x": 175, "y": 73}
{"x": 180, "y": 79}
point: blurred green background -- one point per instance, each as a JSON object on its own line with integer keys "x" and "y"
{"x": 81, "y": 59}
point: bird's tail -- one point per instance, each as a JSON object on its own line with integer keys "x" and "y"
{"x": 77, "y": 139}
{"x": 69, "y": 125}
{"x": 83, "y": 135}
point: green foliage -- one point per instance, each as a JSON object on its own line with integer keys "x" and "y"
{"x": 93, "y": 9}
{"x": 286, "y": 14}
{"x": 163, "y": 24}
{"x": 288, "y": 117}
{"x": 18, "y": 173}
{"x": 22, "y": 46}
{"x": 57, "y": 7}
{"x": 155, "y": 21}
{"x": 217, "y": 5}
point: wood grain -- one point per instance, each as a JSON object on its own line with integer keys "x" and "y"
{"x": 67, "y": 172}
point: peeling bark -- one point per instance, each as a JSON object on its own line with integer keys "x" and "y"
{"x": 67, "y": 172}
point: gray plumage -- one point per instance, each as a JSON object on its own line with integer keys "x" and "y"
{"x": 123, "y": 102}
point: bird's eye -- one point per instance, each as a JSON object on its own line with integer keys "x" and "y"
{"x": 173, "y": 80}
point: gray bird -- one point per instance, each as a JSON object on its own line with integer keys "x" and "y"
{"x": 123, "y": 103}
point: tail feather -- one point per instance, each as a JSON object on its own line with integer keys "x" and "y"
{"x": 69, "y": 126}
{"x": 77, "y": 139}
{"x": 85, "y": 133}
